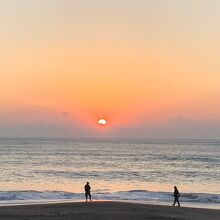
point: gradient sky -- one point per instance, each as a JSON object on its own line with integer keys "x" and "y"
{"x": 150, "y": 67}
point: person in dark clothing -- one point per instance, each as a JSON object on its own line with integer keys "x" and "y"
{"x": 87, "y": 188}
{"x": 176, "y": 196}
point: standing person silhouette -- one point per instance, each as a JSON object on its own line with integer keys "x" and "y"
{"x": 87, "y": 188}
{"x": 176, "y": 196}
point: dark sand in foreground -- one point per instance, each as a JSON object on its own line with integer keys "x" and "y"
{"x": 105, "y": 211}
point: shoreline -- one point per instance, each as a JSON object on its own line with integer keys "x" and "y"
{"x": 66, "y": 201}
{"x": 108, "y": 210}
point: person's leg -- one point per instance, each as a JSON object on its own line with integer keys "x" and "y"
{"x": 178, "y": 202}
{"x": 90, "y": 197}
{"x": 86, "y": 195}
{"x": 174, "y": 202}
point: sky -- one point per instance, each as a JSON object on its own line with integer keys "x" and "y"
{"x": 149, "y": 67}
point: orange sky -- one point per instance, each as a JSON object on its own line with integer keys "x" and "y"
{"x": 129, "y": 62}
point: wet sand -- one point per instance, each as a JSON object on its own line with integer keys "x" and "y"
{"x": 105, "y": 211}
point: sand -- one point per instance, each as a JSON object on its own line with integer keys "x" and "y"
{"x": 105, "y": 211}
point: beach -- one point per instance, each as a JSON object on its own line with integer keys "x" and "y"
{"x": 104, "y": 211}
{"x": 113, "y": 102}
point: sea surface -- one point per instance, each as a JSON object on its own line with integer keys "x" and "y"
{"x": 141, "y": 170}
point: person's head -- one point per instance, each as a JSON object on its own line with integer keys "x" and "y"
{"x": 87, "y": 183}
{"x": 175, "y": 187}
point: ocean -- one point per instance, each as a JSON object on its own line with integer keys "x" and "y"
{"x": 138, "y": 170}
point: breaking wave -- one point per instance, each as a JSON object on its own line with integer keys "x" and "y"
{"x": 133, "y": 195}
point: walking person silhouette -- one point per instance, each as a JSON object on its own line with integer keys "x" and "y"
{"x": 176, "y": 196}
{"x": 87, "y": 188}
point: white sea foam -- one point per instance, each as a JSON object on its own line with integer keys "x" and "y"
{"x": 134, "y": 195}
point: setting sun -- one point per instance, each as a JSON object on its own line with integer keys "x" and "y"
{"x": 102, "y": 122}
{"x": 114, "y": 100}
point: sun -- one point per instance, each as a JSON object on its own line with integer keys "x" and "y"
{"x": 102, "y": 121}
